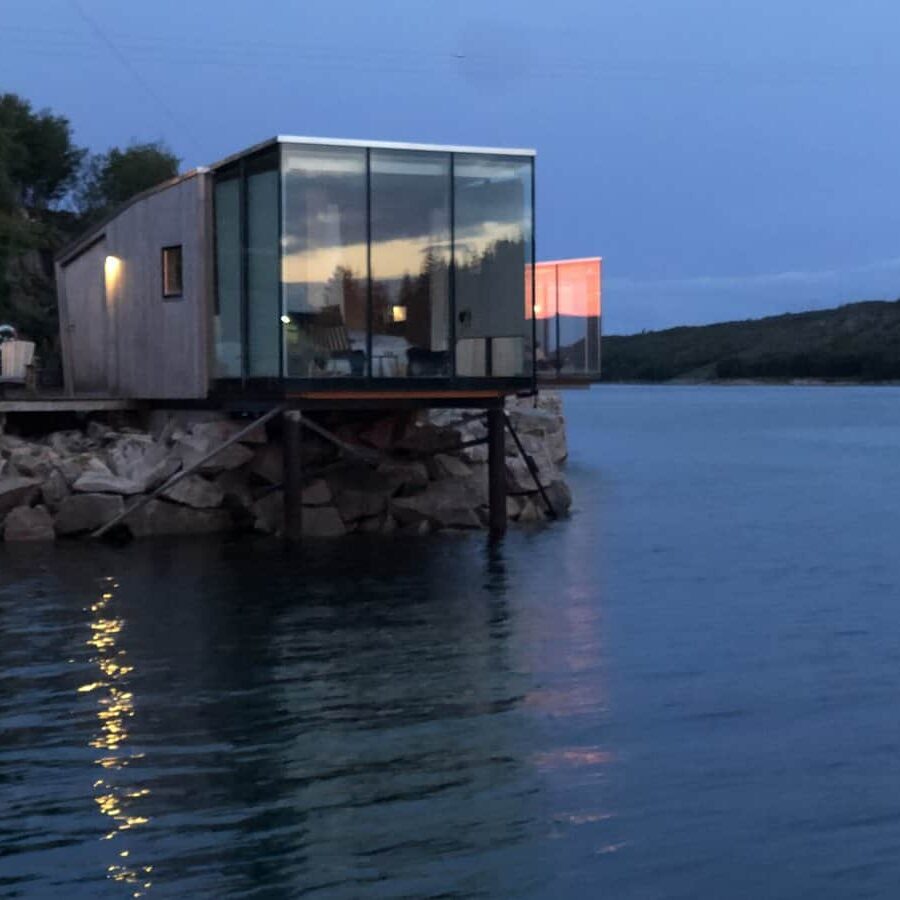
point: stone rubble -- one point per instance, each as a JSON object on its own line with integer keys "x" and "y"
{"x": 71, "y": 482}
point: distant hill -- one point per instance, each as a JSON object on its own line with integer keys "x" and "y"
{"x": 856, "y": 342}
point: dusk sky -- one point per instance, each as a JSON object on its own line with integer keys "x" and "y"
{"x": 727, "y": 159}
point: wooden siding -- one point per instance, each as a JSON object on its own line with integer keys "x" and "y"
{"x": 151, "y": 347}
{"x": 83, "y": 322}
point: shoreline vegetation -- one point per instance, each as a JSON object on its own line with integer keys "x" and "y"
{"x": 858, "y": 343}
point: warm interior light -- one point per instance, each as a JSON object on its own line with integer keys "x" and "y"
{"x": 111, "y": 268}
{"x": 285, "y": 320}
{"x": 398, "y": 313}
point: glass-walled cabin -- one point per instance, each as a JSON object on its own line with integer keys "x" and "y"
{"x": 567, "y": 311}
{"x": 374, "y": 265}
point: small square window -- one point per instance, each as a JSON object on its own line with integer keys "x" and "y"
{"x": 171, "y": 271}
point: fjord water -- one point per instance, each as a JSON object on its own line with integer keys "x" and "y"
{"x": 690, "y": 689}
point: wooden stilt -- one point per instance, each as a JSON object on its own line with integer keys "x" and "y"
{"x": 496, "y": 473}
{"x": 293, "y": 475}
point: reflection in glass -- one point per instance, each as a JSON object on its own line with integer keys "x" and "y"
{"x": 492, "y": 211}
{"x": 324, "y": 266}
{"x": 410, "y": 208}
{"x": 228, "y": 279}
{"x": 263, "y": 275}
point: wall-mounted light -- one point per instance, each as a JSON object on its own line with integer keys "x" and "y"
{"x": 285, "y": 320}
{"x": 398, "y": 313}
{"x": 112, "y": 267}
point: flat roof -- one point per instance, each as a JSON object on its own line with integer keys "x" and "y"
{"x": 377, "y": 145}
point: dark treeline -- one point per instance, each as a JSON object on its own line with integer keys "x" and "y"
{"x": 50, "y": 191}
{"x": 856, "y": 342}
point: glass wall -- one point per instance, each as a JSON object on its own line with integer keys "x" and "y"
{"x": 568, "y": 316}
{"x": 383, "y": 263}
{"x": 492, "y": 216}
{"x": 263, "y": 276}
{"x": 324, "y": 263}
{"x": 410, "y": 232}
{"x": 227, "y": 323}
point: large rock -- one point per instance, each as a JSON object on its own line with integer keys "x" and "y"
{"x": 216, "y": 431}
{"x": 17, "y": 491}
{"x": 268, "y": 464}
{"x": 360, "y": 504}
{"x": 192, "y": 448}
{"x": 445, "y": 504}
{"x": 159, "y": 517}
{"x": 423, "y": 437}
{"x": 54, "y": 490}
{"x": 235, "y": 489}
{"x": 444, "y": 465}
{"x": 268, "y": 513}
{"x": 197, "y": 492}
{"x": 403, "y": 477}
{"x": 322, "y": 522}
{"x": 28, "y": 523}
{"x": 316, "y": 493}
{"x": 86, "y": 512}
{"x": 34, "y": 460}
{"x": 97, "y": 482}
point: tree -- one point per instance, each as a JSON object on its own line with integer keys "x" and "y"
{"x": 111, "y": 179}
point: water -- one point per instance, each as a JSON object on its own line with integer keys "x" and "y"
{"x": 691, "y": 689}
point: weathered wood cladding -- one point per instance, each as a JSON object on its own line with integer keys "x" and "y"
{"x": 147, "y": 347}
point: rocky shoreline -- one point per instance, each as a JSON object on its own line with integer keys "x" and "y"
{"x": 421, "y": 472}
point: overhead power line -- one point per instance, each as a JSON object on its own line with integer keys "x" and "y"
{"x": 135, "y": 73}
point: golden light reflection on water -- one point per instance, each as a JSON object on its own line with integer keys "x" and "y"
{"x": 115, "y": 707}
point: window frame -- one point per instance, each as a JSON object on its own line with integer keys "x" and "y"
{"x": 166, "y": 293}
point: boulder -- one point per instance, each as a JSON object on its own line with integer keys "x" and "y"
{"x": 445, "y": 466}
{"x": 218, "y": 430}
{"x": 195, "y": 491}
{"x": 316, "y": 493}
{"x": 268, "y": 513}
{"x": 17, "y": 491}
{"x": 560, "y": 496}
{"x": 355, "y": 504}
{"x": 403, "y": 477}
{"x": 54, "y": 490}
{"x": 423, "y": 437}
{"x": 28, "y": 523}
{"x": 85, "y": 512}
{"x": 235, "y": 489}
{"x": 159, "y": 517}
{"x": 268, "y": 464}
{"x": 445, "y": 504}
{"x": 531, "y": 512}
{"x": 322, "y": 522}
{"x": 97, "y": 482}
{"x": 33, "y": 460}
{"x": 190, "y": 449}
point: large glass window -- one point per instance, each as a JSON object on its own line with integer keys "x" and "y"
{"x": 263, "y": 276}
{"x": 492, "y": 209}
{"x": 410, "y": 231}
{"x": 324, "y": 261}
{"x": 228, "y": 278}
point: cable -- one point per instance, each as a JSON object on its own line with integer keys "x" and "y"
{"x": 126, "y": 62}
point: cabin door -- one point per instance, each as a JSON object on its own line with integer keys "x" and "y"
{"x": 87, "y": 328}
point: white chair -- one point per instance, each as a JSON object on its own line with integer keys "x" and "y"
{"x": 15, "y": 358}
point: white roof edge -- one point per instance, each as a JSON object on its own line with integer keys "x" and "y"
{"x": 403, "y": 145}
{"x": 574, "y": 259}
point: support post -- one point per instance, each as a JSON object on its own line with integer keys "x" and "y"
{"x": 496, "y": 473}
{"x": 292, "y": 446}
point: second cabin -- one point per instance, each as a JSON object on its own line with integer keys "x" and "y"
{"x": 306, "y": 268}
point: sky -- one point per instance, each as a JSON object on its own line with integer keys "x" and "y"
{"x": 728, "y": 159}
